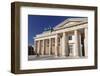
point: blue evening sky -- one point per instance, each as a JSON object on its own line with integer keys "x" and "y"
{"x": 37, "y": 24}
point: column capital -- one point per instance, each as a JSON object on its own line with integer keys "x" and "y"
{"x": 64, "y": 33}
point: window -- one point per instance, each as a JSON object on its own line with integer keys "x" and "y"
{"x": 70, "y": 37}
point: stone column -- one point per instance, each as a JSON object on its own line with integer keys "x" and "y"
{"x": 42, "y": 47}
{"x": 76, "y": 49}
{"x": 38, "y": 47}
{"x": 46, "y": 47}
{"x": 64, "y": 44}
{"x": 40, "y": 50}
{"x": 34, "y": 46}
{"x": 56, "y": 44}
{"x": 80, "y": 45}
{"x": 86, "y": 41}
{"x": 60, "y": 47}
{"x": 49, "y": 46}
